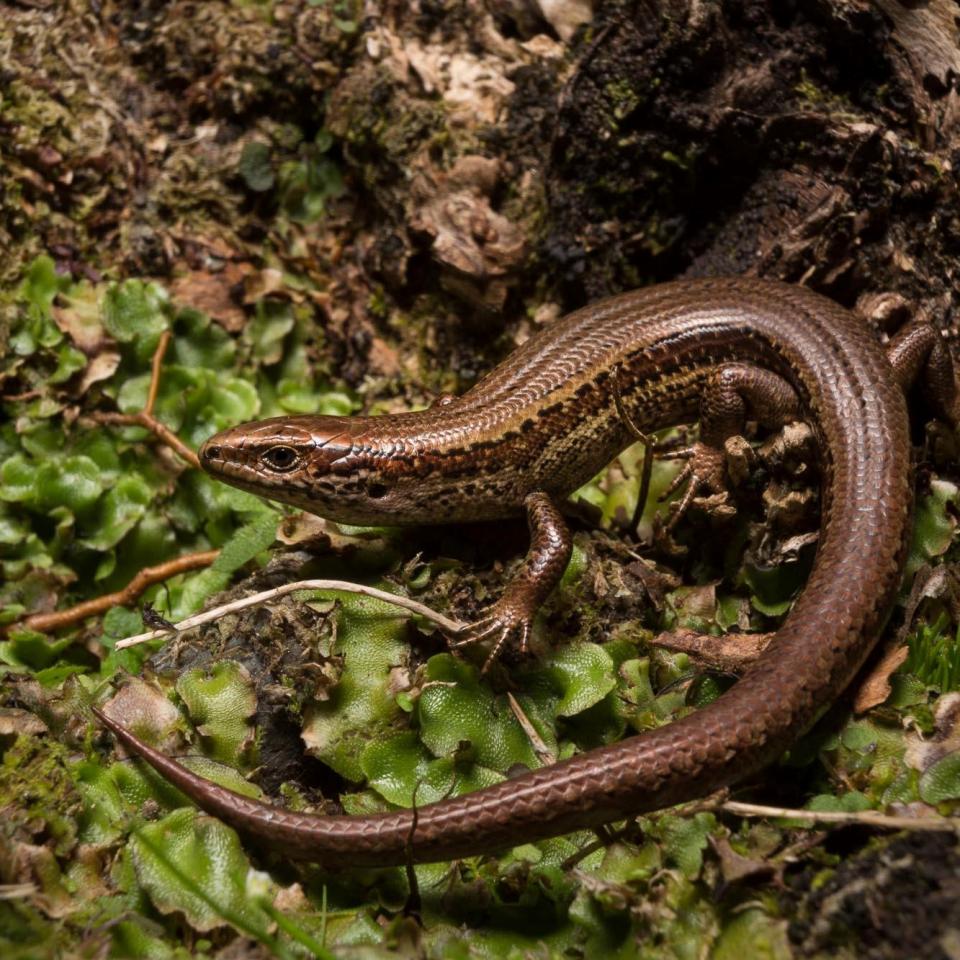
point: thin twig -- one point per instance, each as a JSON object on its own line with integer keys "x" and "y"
{"x": 20, "y": 397}
{"x": 17, "y": 891}
{"x": 145, "y": 418}
{"x": 155, "y": 365}
{"x": 151, "y": 423}
{"x": 48, "y": 622}
{"x": 601, "y": 843}
{"x": 646, "y": 470}
{"x": 449, "y": 626}
{"x": 870, "y": 818}
{"x": 536, "y": 741}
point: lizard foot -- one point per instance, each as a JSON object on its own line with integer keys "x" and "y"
{"x": 505, "y": 621}
{"x": 704, "y": 472}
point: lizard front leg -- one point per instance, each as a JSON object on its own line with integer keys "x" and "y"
{"x": 512, "y": 615}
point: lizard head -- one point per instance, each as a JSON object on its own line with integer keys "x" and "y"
{"x": 316, "y": 463}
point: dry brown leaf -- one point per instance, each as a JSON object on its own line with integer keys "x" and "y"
{"x": 729, "y": 653}
{"x": 566, "y": 15}
{"x": 735, "y": 866}
{"x": 101, "y": 367}
{"x": 15, "y": 721}
{"x": 260, "y": 284}
{"x": 478, "y": 246}
{"x": 656, "y": 583}
{"x": 303, "y": 528}
{"x": 213, "y": 293}
{"x": 700, "y": 601}
{"x": 80, "y": 321}
{"x": 383, "y": 358}
{"x": 145, "y": 710}
{"x": 876, "y": 688}
{"x": 37, "y": 864}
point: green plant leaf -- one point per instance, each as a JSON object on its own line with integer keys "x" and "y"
{"x": 753, "y": 934}
{"x": 455, "y": 708}
{"x": 18, "y": 480}
{"x": 119, "y": 622}
{"x": 305, "y": 187}
{"x": 194, "y": 864}
{"x": 272, "y": 323}
{"x": 582, "y": 673}
{"x": 28, "y": 648}
{"x": 34, "y": 327}
{"x": 245, "y": 543}
{"x": 69, "y": 361}
{"x": 941, "y": 781}
{"x": 201, "y": 343}
{"x": 853, "y": 801}
{"x": 221, "y": 704}
{"x": 255, "y": 167}
{"x": 136, "y": 311}
{"x": 119, "y": 512}
{"x": 933, "y": 525}
{"x": 934, "y": 657}
{"x": 74, "y": 482}
{"x": 252, "y": 538}
{"x": 403, "y": 771}
{"x": 362, "y": 706}
{"x": 103, "y": 807}
{"x": 42, "y": 284}
{"x": 685, "y": 839}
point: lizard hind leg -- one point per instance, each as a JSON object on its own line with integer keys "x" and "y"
{"x": 733, "y": 392}
{"x": 918, "y": 353}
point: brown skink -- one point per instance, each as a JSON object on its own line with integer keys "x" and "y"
{"x": 534, "y": 430}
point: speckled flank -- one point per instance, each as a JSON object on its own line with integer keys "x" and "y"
{"x": 544, "y": 422}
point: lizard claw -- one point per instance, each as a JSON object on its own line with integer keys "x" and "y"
{"x": 505, "y": 621}
{"x": 704, "y": 471}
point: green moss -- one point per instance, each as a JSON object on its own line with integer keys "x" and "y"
{"x": 624, "y": 98}
{"x": 36, "y": 785}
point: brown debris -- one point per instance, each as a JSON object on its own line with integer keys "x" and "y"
{"x": 14, "y": 721}
{"x": 924, "y": 751}
{"x": 727, "y": 653}
{"x": 146, "y": 710}
{"x": 101, "y": 367}
{"x": 657, "y": 583}
{"x": 876, "y": 687}
{"x": 215, "y": 293}
{"x": 736, "y": 867}
{"x": 930, "y": 34}
{"x": 83, "y": 327}
{"x": 478, "y": 247}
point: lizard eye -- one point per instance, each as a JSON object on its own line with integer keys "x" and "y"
{"x": 280, "y": 458}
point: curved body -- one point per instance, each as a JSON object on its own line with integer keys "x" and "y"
{"x": 546, "y": 420}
